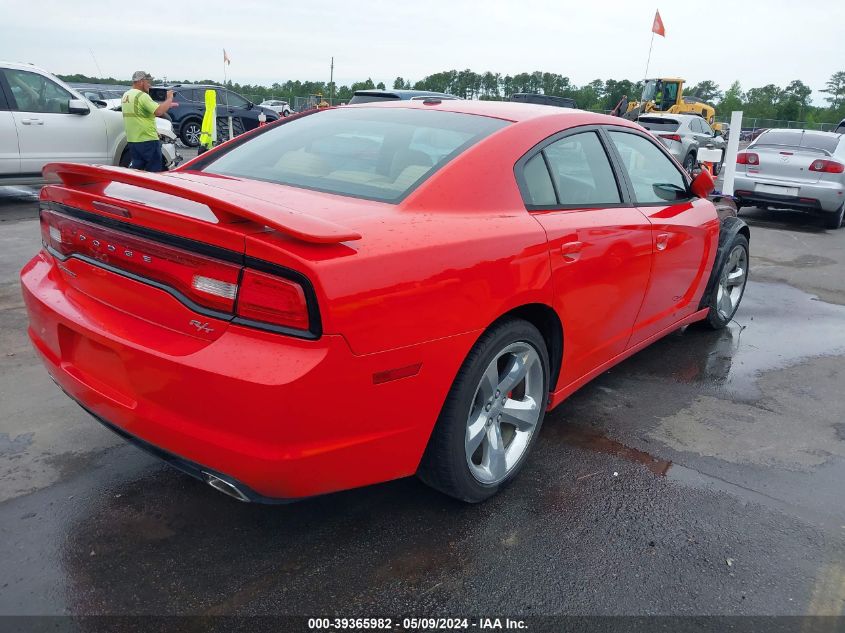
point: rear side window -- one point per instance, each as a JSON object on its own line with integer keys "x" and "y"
{"x": 538, "y": 183}
{"x": 376, "y": 153}
{"x": 659, "y": 124}
{"x": 582, "y": 171}
{"x": 370, "y": 98}
{"x": 654, "y": 177}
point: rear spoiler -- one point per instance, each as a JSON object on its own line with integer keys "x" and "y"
{"x": 295, "y": 224}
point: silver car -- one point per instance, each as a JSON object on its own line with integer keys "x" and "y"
{"x": 794, "y": 169}
{"x": 683, "y": 135}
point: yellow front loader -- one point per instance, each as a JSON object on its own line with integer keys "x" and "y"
{"x": 666, "y": 94}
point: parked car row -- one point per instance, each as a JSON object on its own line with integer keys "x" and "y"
{"x": 44, "y": 120}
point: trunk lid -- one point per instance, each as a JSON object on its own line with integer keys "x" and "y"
{"x": 172, "y": 249}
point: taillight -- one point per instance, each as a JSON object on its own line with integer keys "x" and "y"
{"x": 199, "y": 281}
{"x": 270, "y": 299}
{"x": 827, "y": 166}
{"x": 672, "y": 137}
{"x": 203, "y": 280}
{"x": 747, "y": 158}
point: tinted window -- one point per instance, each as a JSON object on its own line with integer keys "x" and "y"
{"x": 582, "y": 171}
{"x": 538, "y": 182}
{"x": 372, "y": 152}
{"x": 369, "y": 98}
{"x": 648, "y": 166}
{"x": 228, "y": 98}
{"x": 32, "y": 92}
{"x": 808, "y": 140}
{"x": 705, "y": 127}
{"x": 658, "y": 124}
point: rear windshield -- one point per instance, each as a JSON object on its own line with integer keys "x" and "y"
{"x": 807, "y": 140}
{"x": 376, "y": 153}
{"x": 365, "y": 98}
{"x": 659, "y": 124}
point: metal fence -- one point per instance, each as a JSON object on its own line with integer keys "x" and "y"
{"x": 297, "y": 104}
{"x": 759, "y": 124}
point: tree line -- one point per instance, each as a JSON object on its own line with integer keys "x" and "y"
{"x": 791, "y": 102}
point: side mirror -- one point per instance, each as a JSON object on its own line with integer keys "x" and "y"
{"x": 77, "y": 106}
{"x": 250, "y": 105}
{"x": 702, "y": 185}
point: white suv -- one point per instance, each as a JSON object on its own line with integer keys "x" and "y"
{"x": 43, "y": 120}
{"x": 282, "y": 107}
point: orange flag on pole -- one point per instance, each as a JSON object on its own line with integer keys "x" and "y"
{"x": 658, "y": 27}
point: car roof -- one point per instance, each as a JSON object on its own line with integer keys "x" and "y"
{"x": 23, "y": 66}
{"x": 507, "y": 110}
{"x": 798, "y": 132}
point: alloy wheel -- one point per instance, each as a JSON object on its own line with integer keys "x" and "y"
{"x": 505, "y": 412}
{"x": 732, "y": 282}
{"x": 192, "y": 134}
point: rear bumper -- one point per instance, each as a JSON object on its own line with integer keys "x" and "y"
{"x": 284, "y": 418}
{"x": 822, "y": 196}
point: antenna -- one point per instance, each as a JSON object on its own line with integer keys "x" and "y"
{"x": 91, "y": 50}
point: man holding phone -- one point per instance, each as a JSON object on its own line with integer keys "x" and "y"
{"x": 139, "y": 113}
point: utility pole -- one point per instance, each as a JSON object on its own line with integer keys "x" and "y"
{"x": 331, "y": 83}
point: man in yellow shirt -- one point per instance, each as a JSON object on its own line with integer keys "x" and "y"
{"x": 139, "y": 113}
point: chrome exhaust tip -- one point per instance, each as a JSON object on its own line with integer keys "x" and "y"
{"x": 221, "y": 485}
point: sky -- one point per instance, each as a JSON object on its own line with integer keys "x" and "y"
{"x": 756, "y": 42}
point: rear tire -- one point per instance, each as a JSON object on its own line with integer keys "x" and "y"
{"x": 125, "y": 158}
{"x": 190, "y": 133}
{"x": 835, "y": 219}
{"x": 689, "y": 163}
{"x": 492, "y": 414}
{"x": 727, "y": 294}
{"x": 223, "y": 128}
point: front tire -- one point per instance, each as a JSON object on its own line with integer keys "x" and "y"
{"x": 727, "y": 294}
{"x": 492, "y": 415}
{"x": 834, "y": 220}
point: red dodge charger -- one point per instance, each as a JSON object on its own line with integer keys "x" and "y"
{"x": 371, "y": 292}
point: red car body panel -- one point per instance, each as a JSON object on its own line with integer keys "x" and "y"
{"x": 405, "y": 288}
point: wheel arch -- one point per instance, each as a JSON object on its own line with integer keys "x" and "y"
{"x": 547, "y": 321}
{"x": 728, "y": 229}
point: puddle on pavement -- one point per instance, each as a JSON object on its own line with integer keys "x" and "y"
{"x": 593, "y": 441}
{"x": 18, "y": 194}
{"x": 776, "y": 326}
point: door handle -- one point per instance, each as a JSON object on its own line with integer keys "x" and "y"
{"x": 661, "y": 241}
{"x": 571, "y": 251}
{"x": 32, "y": 121}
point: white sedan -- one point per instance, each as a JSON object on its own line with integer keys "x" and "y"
{"x": 282, "y": 107}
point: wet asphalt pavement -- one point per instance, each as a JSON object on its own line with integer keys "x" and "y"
{"x": 705, "y": 475}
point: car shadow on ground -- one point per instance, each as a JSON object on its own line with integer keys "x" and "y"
{"x": 787, "y": 219}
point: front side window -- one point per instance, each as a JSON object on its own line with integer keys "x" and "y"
{"x": 230, "y": 99}
{"x": 582, "y": 171}
{"x": 654, "y": 176}
{"x": 32, "y": 92}
{"x": 375, "y": 153}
